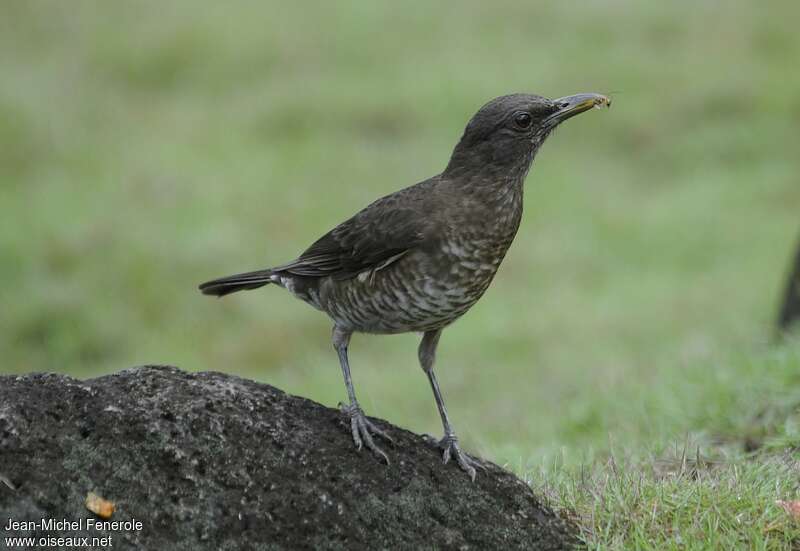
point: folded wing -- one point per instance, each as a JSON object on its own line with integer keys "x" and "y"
{"x": 374, "y": 238}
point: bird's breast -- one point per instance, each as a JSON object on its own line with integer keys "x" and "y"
{"x": 431, "y": 285}
{"x": 471, "y": 261}
{"x": 477, "y": 244}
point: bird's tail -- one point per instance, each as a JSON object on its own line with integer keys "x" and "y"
{"x": 239, "y": 282}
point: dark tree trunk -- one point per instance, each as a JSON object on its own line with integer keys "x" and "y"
{"x": 790, "y": 309}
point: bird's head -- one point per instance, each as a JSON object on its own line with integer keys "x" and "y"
{"x": 502, "y": 138}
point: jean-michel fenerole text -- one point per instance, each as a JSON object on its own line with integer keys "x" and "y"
{"x": 59, "y": 525}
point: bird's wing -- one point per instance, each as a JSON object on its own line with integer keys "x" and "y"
{"x": 372, "y": 239}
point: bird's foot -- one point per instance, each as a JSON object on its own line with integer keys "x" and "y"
{"x": 363, "y": 429}
{"x": 450, "y": 448}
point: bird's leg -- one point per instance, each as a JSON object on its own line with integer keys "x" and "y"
{"x": 360, "y": 426}
{"x": 449, "y": 443}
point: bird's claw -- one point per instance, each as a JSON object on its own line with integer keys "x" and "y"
{"x": 363, "y": 429}
{"x": 450, "y": 449}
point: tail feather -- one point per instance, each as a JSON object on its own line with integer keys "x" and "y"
{"x": 239, "y": 282}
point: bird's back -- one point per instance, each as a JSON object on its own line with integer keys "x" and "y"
{"x": 414, "y": 260}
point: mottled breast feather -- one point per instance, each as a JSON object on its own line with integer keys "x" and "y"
{"x": 415, "y": 260}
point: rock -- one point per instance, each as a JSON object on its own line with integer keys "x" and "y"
{"x": 212, "y": 461}
{"x": 790, "y": 308}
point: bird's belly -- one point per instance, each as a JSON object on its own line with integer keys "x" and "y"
{"x": 415, "y": 294}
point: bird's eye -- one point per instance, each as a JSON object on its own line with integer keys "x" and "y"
{"x": 523, "y": 120}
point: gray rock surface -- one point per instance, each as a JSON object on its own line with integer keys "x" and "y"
{"x": 212, "y": 461}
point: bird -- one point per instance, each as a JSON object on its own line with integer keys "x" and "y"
{"x": 417, "y": 259}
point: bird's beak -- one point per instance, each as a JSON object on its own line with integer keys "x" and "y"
{"x": 569, "y": 106}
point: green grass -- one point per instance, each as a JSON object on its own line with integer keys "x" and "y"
{"x": 714, "y": 487}
{"x": 145, "y": 148}
{"x": 728, "y": 506}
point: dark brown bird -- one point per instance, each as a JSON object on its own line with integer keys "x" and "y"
{"x": 419, "y": 258}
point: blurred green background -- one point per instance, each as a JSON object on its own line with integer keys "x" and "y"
{"x": 146, "y": 147}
